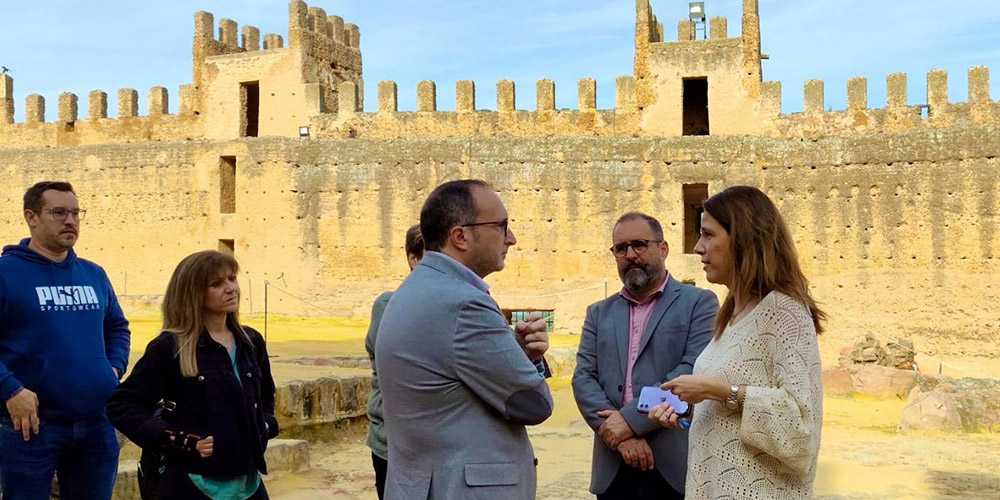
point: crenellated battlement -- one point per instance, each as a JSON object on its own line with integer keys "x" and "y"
{"x": 248, "y": 85}
{"x": 859, "y": 118}
{"x": 70, "y": 127}
{"x": 469, "y": 120}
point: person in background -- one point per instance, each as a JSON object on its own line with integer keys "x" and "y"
{"x": 376, "y": 427}
{"x": 64, "y": 343}
{"x": 757, "y": 387}
{"x": 211, "y": 378}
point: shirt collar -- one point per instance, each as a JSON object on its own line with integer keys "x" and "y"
{"x": 655, "y": 295}
{"x": 466, "y": 273}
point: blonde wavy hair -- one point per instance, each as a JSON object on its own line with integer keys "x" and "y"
{"x": 184, "y": 304}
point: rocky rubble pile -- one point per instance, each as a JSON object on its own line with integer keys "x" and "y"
{"x": 899, "y": 354}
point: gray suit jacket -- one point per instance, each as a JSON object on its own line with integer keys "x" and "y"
{"x": 457, "y": 391}
{"x": 376, "y": 423}
{"x": 679, "y": 328}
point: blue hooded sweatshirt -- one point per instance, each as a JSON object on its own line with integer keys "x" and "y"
{"x": 61, "y": 332}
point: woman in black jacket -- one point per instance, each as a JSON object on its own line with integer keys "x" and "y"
{"x": 202, "y": 393}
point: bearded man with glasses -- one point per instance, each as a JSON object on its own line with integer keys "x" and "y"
{"x": 64, "y": 345}
{"x": 650, "y": 332}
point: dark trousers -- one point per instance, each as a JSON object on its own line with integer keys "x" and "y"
{"x": 633, "y": 484}
{"x": 381, "y": 465}
{"x": 83, "y": 453}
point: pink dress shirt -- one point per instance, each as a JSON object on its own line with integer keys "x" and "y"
{"x": 638, "y": 317}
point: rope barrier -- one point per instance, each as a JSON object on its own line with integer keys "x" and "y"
{"x": 300, "y": 299}
{"x": 556, "y": 294}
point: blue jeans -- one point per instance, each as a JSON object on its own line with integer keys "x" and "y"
{"x": 84, "y": 454}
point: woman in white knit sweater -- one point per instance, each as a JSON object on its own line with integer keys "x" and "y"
{"x": 757, "y": 387}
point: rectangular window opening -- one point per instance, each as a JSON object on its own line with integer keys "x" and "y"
{"x": 250, "y": 104}
{"x": 227, "y": 184}
{"x": 694, "y": 196}
{"x": 227, "y": 247}
{"x": 695, "y": 106}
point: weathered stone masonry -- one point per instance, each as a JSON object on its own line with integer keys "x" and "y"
{"x": 894, "y": 213}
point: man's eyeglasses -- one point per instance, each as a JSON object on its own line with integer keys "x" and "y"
{"x": 502, "y": 224}
{"x": 60, "y": 213}
{"x": 639, "y": 246}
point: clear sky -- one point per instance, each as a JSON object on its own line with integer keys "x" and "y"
{"x": 76, "y": 46}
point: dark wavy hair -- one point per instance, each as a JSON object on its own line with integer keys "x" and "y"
{"x": 762, "y": 253}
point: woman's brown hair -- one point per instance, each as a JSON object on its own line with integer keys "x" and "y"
{"x": 762, "y": 253}
{"x": 184, "y": 304}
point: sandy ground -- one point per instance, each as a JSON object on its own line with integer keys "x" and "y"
{"x": 863, "y": 455}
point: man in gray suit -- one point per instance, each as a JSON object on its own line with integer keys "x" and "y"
{"x": 650, "y": 332}
{"x": 458, "y": 386}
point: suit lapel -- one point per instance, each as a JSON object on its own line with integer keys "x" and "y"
{"x": 619, "y": 317}
{"x": 670, "y": 294}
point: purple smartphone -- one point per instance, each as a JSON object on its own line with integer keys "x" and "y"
{"x": 651, "y": 396}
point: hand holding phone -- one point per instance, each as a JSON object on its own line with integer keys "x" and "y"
{"x": 653, "y": 395}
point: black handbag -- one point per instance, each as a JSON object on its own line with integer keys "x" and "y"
{"x": 152, "y": 461}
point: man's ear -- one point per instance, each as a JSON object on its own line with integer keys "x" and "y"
{"x": 30, "y": 217}
{"x": 665, "y": 248}
{"x": 458, "y": 237}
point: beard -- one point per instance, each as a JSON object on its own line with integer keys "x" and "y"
{"x": 637, "y": 275}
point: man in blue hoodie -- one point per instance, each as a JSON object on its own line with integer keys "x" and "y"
{"x": 64, "y": 345}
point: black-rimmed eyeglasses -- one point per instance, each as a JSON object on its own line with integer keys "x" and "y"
{"x": 639, "y": 246}
{"x": 60, "y": 213}
{"x": 502, "y": 224}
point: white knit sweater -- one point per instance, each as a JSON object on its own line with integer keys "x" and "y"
{"x": 768, "y": 449}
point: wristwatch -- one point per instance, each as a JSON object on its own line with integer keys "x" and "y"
{"x": 732, "y": 400}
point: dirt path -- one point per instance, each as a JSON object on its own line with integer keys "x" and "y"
{"x": 862, "y": 457}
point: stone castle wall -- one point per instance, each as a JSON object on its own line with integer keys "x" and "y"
{"x": 896, "y": 230}
{"x": 894, "y": 209}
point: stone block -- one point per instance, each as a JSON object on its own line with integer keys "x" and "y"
{"x": 388, "y": 100}
{"x": 717, "y": 28}
{"x": 426, "y": 96}
{"x": 273, "y": 41}
{"x": 685, "y": 30}
{"x": 545, "y": 95}
{"x": 68, "y": 107}
{"x": 586, "y": 94}
{"x": 157, "y": 101}
{"x": 97, "y": 105}
{"x": 128, "y": 103}
{"x": 937, "y": 89}
{"x": 347, "y": 98}
{"x": 625, "y": 93}
{"x": 813, "y": 96}
{"x": 465, "y": 96}
{"x": 857, "y": 93}
{"x": 227, "y": 33}
{"x": 34, "y": 108}
{"x": 251, "y": 38}
{"x": 287, "y": 455}
{"x": 352, "y": 35}
{"x": 337, "y": 27}
{"x": 895, "y": 90}
{"x": 881, "y": 381}
{"x": 930, "y": 411}
{"x": 505, "y": 96}
{"x": 979, "y": 85}
{"x": 837, "y": 381}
